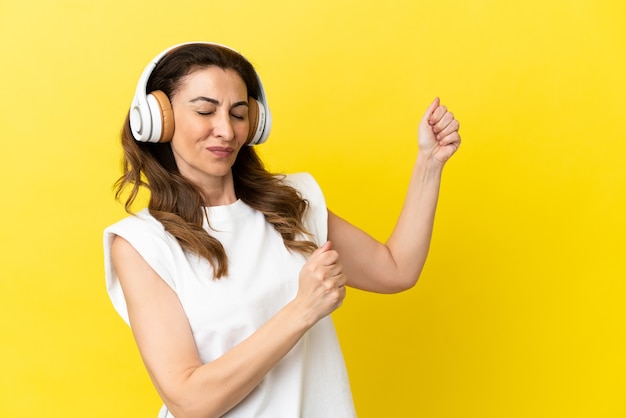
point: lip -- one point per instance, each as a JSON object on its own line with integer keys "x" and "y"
{"x": 221, "y": 152}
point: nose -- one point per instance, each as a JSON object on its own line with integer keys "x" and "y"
{"x": 223, "y": 127}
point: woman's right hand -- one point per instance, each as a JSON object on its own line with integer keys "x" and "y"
{"x": 322, "y": 281}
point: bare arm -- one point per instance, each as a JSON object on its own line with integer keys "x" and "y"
{"x": 163, "y": 335}
{"x": 397, "y": 264}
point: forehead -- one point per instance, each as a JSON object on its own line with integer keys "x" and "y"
{"x": 213, "y": 80}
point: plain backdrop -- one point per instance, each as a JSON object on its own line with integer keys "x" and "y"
{"x": 520, "y": 311}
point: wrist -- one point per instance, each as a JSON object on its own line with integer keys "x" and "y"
{"x": 428, "y": 164}
{"x": 301, "y": 318}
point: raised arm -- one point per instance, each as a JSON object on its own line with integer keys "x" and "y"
{"x": 396, "y": 265}
{"x": 163, "y": 335}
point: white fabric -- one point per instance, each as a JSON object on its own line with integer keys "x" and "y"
{"x": 311, "y": 380}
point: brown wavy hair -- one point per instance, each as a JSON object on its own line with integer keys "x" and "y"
{"x": 177, "y": 202}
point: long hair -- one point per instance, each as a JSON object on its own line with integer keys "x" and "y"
{"x": 177, "y": 203}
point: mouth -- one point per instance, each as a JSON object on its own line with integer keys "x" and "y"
{"x": 221, "y": 152}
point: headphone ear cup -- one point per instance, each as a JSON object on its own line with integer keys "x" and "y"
{"x": 257, "y": 115}
{"x": 162, "y": 117}
{"x": 253, "y": 117}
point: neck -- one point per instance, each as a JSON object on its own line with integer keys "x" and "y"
{"x": 219, "y": 192}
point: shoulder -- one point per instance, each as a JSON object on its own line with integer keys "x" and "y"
{"x": 141, "y": 226}
{"x": 140, "y": 221}
{"x": 306, "y": 185}
{"x": 146, "y": 234}
{"x": 148, "y": 238}
{"x": 316, "y": 216}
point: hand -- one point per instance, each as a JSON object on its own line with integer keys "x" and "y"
{"x": 438, "y": 133}
{"x": 322, "y": 281}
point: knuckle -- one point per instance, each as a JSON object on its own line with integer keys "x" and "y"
{"x": 343, "y": 279}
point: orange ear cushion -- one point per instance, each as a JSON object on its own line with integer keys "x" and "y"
{"x": 253, "y": 116}
{"x": 167, "y": 116}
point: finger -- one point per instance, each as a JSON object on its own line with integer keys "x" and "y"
{"x": 445, "y": 120}
{"x": 342, "y": 294}
{"x": 447, "y": 128}
{"x": 341, "y": 280}
{"x": 453, "y": 139}
{"x": 321, "y": 249}
{"x": 437, "y": 114}
{"x": 321, "y": 266}
{"x": 430, "y": 110}
{"x": 333, "y": 271}
{"x": 341, "y": 288}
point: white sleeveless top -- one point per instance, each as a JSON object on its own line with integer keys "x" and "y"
{"x": 311, "y": 380}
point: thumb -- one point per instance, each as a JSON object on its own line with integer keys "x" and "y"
{"x": 325, "y": 246}
{"x": 322, "y": 249}
{"x": 430, "y": 110}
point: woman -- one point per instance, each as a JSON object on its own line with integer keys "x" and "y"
{"x": 228, "y": 278}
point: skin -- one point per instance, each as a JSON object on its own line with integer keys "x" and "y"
{"x": 211, "y": 118}
{"x": 210, "y": 111}
{"x": 396, "y": 265}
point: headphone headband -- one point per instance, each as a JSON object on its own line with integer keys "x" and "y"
{"x": 151, "y": 118}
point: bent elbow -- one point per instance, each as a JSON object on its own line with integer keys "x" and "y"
{"x": 400, "y": 284}
{"x": 188, "y": 409}
{"x": 184, "y": 402}
{"x": 404, "y": 285}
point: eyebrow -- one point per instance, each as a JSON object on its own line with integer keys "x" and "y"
{"x": 216, "y": 102}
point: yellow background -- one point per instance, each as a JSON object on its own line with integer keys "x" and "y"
{"x": 520, "y": 311}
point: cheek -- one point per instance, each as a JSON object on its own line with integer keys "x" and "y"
{"x": 242, "y": 133}
{"x": 187, "y": 129}
{"x": 180, "y": 127}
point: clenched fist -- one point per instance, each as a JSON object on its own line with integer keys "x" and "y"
{"x": 322, "y": 281}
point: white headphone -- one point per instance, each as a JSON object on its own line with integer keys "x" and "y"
{"x": 152, "y": 120}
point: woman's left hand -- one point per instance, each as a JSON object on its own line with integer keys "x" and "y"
{"x": 438, "y": 133}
